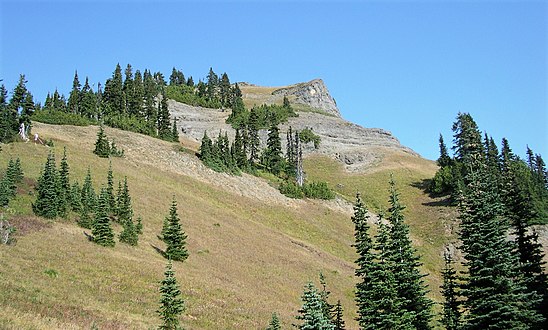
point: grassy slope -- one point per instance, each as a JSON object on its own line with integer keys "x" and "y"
{"x": 248, "y": 259}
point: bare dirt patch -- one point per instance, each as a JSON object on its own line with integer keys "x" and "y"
{"x": 27, "y": 224}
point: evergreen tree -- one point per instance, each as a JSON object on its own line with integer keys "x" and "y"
{"x": 128, "y": 89}
{"x": 110, "y": 190}
{"x": 88, "y": 201}
{"x": 174, "y": 236}
{"x": 129, "y": 234}
{"x": 444, "y": 159}
{"x": 171, "y": 302}
{"x": 212, "y": 84}
{"x": 495, "y": 296}
{"x": 101, "y": 230}
{"x": 88, "y": 103}
{"x": 174, "y": 131}
{"x": 405, "y": 263}
{"x": 327, "y": 308}
{"x": 274, "y": 323}
{"x": 164, "y": 127}
{"x": 76, "y": 198}
{"x": 311, "y": 312}
{"x": 125, "y": 210}
{"x": 451, "y": 307}
{"x": 102, "y": 146}
{"x": 139, "y": 226}
{"x": 338, "y": 321}
{"x": 272, "y": 158}
{"x": 225, "y": 90}
{"x": 136, "y": 103}
{"x": 64, "y": 185}
{"x": 113, "y": 96}
{"x": 254, "y": 141}
{"x": 74, "y": 99}
{"x": 467, "y": 138}
{"x": 47, "y": 199}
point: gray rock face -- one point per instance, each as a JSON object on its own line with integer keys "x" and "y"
{"x": 313, "y": 93}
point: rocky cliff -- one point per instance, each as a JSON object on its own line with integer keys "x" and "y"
{"x": 313, "y": 94}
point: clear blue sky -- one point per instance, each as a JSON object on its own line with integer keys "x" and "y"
{"x": 405, "y": 66}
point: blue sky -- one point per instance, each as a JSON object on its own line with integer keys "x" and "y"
{"x": 405, "y": 66}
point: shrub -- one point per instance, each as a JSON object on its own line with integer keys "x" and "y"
{"x": 56, "y": 117}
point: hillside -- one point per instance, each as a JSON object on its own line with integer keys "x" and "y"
{"x": 252, "y": 249}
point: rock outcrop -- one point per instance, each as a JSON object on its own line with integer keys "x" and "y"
{"x": 313, "y": 94}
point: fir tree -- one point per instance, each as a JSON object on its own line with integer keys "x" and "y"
{"x": 174, "y": 131}
{"x": 139, "y": 226}
{"x": 110, "y": 190}
{"x": 254, "y": 142}
{"x": 76, "y": 198}
{"x": 171, "y": 302}
{"x": 444, "y": 159}
{"x": 324, "y": 294}
{"x": 274, "y": 323}
{"x": 451, "y": 307}
{"x": 338, "y": 321}
{"x": 125, "y": 210}
{"x": 88, "y": 201}
{"x": 46, "y": 204}
{"x": 272, "y": 158}
{"x": 174, "y": 236}
{"x": 164, "y": 131}
{"x": 311, "y": 313}
{"x": 495, "y": 296}
{"x": 102, "y": 146}
{"x": 74, "y": 99}
{"x": 101, "y": 230}
{"x": 64, "y": 185}
{"x": 405, "y": 262}
{"x": 129, "y": 234}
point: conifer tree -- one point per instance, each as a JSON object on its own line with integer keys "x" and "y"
{"x": 164, "y": 127}
{"x": 129, "y": 234}
{"x": 311, "y": 313}
{"x": 102, "y": 146}
{"x": 494, "y": 292}
{"x": 405, "y": 263}
{"x": 46, "y": 204}
{"x": 451, "y": 307}
{"x": 17, "y": 171}
{"x": 125, "y": 210}
{"x": 139, "y": 225}
{"x": 444, "y": 159}
{"x": 76, "y": 198}
{"x": 74, "y": 99}
{"x": 272, "y": 156}
{"x": 136, "y": 103}
{"x": 253, "y": 132}
{"x": 88, "y": 201}
{"x": 324, "y": 294}
{"x": 171, "y": 302}
{"x": 88, "y": 104}
{"x": 274, "y": 323}
{"x": 338, "y": 321}
{"x": 174, "y": 130}
{"x": 101, "y": 230}
{"x": 110, "y": 190}
{"x": 174, "y": 236}
{"x": 64, "y": 185}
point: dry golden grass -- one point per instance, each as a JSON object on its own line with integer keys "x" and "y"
{"x": 248, "y": 258}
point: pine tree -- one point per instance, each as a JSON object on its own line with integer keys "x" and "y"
{"x": 129, "y": 234}
{"x": 113, "y": 96}
{"x": 102, "y": 146}
{"x": 125, "y": 210}
{"x": 327, "y": 308}
{"x": 171, "y": 302}
{"x": 164, "y": 131}
{"x": 405, "y": 262}
{"x": 444, "y": 159}
{"x": 136, "y": 103}
{"x": 76, "y": 198}
{"x": 88, "y": 201}
{"x": 451, "y": 307}
{"x": 101, "y": 230}
{"x": 174, "y": 130}
{"x": 174, "y": 236}
{"x": 64, "y": 185}
{"x": 254, "y": 142}
{"x": 311, "y": 312}
{"x": 494, "y": 294}
{"x": 338, "y": 321}
{"x": 139, "y": 226}
{"x": 274, "y": 323}
{"x": 88, "y": 104}
{"x": 110, "y": 190}
{"x": 272, "y": 158}
{"x": 74, "y": 100}
{"x": 46, "y": 204}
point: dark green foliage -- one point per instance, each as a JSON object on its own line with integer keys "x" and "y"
{"x": 444, "y": 159}
{"x": 315, "y": 190}
{"x": 101, "y": 230}
{"x": 272, "y": 155}
{"x": 218, "y": 155}
{"x": 327, "y": 308}
{"x": 139, "y": 226}
{"x": 174, "y": 131}
{"x": 274, "y": 323}
{"x": 494, "y": 292}
{"x": 110, "y": 190}
{"x": 307, "y": 135}
{"x": 64, "y": 185}
{"x": 75, "y": 96}
{"x": 311, "y": 313}
{"x": 171, "y": 302}
{"x": 265, "y": 116}
{"x": 47, "y": 197}
{"x": 451, "y": 306}
{"x": 10, "y": 117}
{"x": 61, "y": 118}
{"x": 129, "y": 234}
{"x": 174, "y": 236}
{"x": 405, "y": 262}
{"x": 124, "y": 208}
{"x": 102, "y": 146}
{"x": 76, "y": 198}
{"x": 164, "y": 127}
{"x": 253, "y": 137}
{"x": 291, "y": 189}
{"x": 88, "y": 202}
{"x": 9, "y": 181}
{"x": 338, "y": 321}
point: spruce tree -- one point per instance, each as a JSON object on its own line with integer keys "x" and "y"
{"x": 88, "y": 201}
{"x": 174, "y": 131}
{"x": 338, "y": 321}
{"x": 47, "y": 198}
{"x": 311, "y": 313}
{"x": 110, "y": 190}
{"x": 444, "y": 159}
{"x": 74, "y": 100}
{"x": 102, "y": 146}
{"x": 405, "y": 262}
{"x": 101, "y": 230}
{"x": 129, "y": 234}
{"x": 274, "y": 323}
{"x": 451, "y": 307}
{"x": 64, "y": 185}
{"x": 76, "y": 198}
{"x": 171, "y": 302}
{"x": 174, "y": 236}
{"x": 164, "y": 127}
{"x": 272, "y": 158}
{"x": 494, "y": 294}
{"x": 125, "y": 210}
{"x": 254, "y": 141}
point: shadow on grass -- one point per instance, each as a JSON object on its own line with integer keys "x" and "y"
{"x": 158, "y": 250}
{"x": 88, "y": 236}
{"x": 439, "y": 200}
